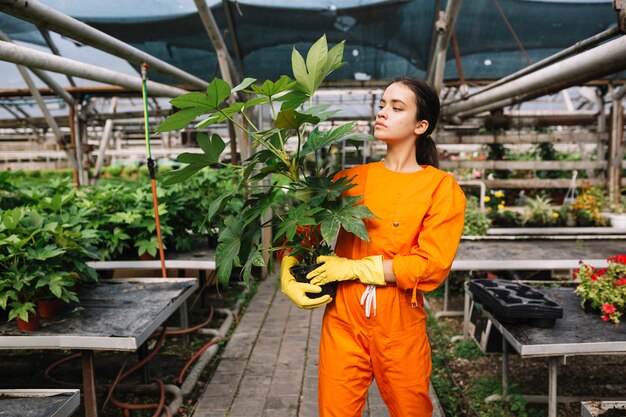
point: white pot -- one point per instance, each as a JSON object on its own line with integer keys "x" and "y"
{"x": 618, "y": 220}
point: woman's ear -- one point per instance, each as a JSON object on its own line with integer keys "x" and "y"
{"x": 421, "y": 127}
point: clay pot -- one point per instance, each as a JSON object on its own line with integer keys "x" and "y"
{"x": 300, "y": 272}
{"x": 31, "y": 325}
{"x": 48, "y": 308}
{"x": 146, "y": 257}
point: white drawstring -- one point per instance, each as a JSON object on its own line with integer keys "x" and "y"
{"x": 368, "y": 299}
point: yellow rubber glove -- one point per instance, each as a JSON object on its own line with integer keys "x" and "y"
{"x": 296, "y": 291}
{"x": 367, "y": 270}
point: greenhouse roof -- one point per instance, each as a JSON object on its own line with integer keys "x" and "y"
{"x": 384, "y": 38}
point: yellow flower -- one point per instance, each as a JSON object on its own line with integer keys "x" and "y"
{"x": 487, "y": 199}
{"x": 502, "y": 202}
{"x": 500, "y": 206}
{"x": 555, "y": 214}
{"x": 499, "y": 194}
{"x": 488, "y": 208}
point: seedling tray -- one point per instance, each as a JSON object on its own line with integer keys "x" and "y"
{"x": 511, "y": 302}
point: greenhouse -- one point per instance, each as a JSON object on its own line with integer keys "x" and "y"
{"x": 312, "y": 208}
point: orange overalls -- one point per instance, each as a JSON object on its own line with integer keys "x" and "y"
{"x": 419, "y": 225}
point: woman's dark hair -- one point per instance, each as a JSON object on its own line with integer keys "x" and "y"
{"x": 427, "y": 102}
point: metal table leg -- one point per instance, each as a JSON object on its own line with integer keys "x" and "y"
{"x": 505, "y": 368}
{"x": 184, "y": 321}
{"x": 89, "y": 384}
{"x": 552, "y": 384}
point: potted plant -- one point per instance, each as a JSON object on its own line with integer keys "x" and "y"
{"x": 617, "y": 215}
{"x": 43, "y": 254}
{"x": 292, "y": 158}
{"x": 604, "y": 289}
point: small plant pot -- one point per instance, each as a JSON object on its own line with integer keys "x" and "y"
{"x": 300, "y": 272}
{"x": 32, "y": 325}
{"x": 48, "y": 308}
{"x": 146, "y": 257}
{"x": 618, "y": 220}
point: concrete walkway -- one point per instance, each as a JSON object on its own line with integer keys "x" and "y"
{"x": 269, "y": 367}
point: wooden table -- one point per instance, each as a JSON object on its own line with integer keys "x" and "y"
{"x": 118, "y": 315}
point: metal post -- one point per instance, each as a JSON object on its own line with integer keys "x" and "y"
{"x": 616, "y": 154}
{"x": 32, "y": 58}
{"x": 89, "y": 384}
{"x": 446, "y": 28}
{"x": 104, "y": 142}
{"x": 505, "y": 368}
{"x": 552, "y": 384}
{"x": 184, "y": 320}
{"x": 41, "y": 15}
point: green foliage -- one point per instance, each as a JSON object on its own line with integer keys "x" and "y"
{"x": 538, "y": 211}
{"x": 299, "y": 189}
{"x": 476, "y": 221}
{"x": 43, "y": 252}
{"x": 467, "y": 349}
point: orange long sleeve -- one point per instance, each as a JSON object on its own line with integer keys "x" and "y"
{"x": 419, "y": 223}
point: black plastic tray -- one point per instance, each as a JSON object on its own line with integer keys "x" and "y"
{"x": 511, "y": 302}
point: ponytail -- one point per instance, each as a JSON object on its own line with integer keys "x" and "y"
{"x": 426, "y": 151}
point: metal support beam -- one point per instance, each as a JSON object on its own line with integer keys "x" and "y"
{"x": 32, "y": 58}
{"x": 46, "y": 17}
{"x": 46, "y": 36}
{"x": 104, "y": 141}
{"x": 45, "y": 78}
{"x": 615, "y": 151}
{"x": 227, "y": 70}
{"x": 445, "y": 28}
{"x": 232, "y": 30}
{"x": 595, "y": 63}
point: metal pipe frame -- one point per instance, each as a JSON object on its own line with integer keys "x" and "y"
{"x": 594, "y": 63}
{"x": 46, "y": 17}
{"x": 32, "y": 58}
{"x": 437, "y": 66}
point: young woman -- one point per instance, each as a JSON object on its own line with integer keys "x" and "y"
{"x": 376, "y": 328}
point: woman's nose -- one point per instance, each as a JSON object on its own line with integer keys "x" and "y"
{"x": 381, "y": 113}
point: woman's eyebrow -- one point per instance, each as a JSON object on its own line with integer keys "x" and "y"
{"x": 393, "y": 101}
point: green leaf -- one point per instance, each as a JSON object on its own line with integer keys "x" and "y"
{"x": 190, "y": 100}
{"x": 316, "y": 62}
{"x": 181, "y": 119}
{"x": 243, "y": 85}
{"x": 292, "y": 100}
{"x": 255, "y": 101}
{"x": 299, "y": 71}
{"x": 217, "y": 204}
{"x": 211, "y": 120}
{"x": 227, "y": 251}
{"x": 303, "y": 215}
{"x": 335, "y": 56}
{"x": 291, "y": 119}
{"x": 349, "y": 216}
{"x": 212, "y": 147}
{"x": 180, "y": 175}
{"x": 217, "y": 91}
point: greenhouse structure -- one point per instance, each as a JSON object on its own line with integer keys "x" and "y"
{"x": 453, "y": 172}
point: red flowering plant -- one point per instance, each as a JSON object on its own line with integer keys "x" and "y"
{"x": 604, "y": 288}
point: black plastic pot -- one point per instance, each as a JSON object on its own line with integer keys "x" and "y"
{"x": 300, "y": 272}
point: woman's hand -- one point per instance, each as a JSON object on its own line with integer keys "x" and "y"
{"x": 367, "y": 270}
{"x": 296, "y": 291}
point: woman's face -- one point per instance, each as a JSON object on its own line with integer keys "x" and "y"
{"x": 395, "y": 120}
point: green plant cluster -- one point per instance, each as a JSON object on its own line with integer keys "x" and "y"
{"x": 121, "y": 210}
{"x": 476, "y": 221}
{"x": 44, "y": 248}
{"x": 299, "y": 168}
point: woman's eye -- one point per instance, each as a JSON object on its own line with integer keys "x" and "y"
{"x": 381, "y": 107}
{"x": 397, "y": 109}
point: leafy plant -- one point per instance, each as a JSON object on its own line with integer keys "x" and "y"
{"x": 476, "y": 221}
{"x": 586, "y": 208}
{"x": 538, "y": 211}
{"x": 308, "y": 227}
{"x": 43, "y": 253}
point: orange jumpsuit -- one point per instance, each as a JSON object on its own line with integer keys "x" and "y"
{"x": 419, "y": 223}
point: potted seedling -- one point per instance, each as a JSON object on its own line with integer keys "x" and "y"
{"x": 292, "y": 158}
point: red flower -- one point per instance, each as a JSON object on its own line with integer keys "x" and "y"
{"x": 620, "y": 259}
{"x": 606, "y": 317}
{"x": 594, "y": 277}
{"x": 601, "y": 271}
{"x": 575, "y": 272}
{"x": 608, "y": 308}
{"x": 620, "y": 282}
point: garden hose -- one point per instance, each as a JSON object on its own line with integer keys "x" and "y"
{"x": 151, "y": 168}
